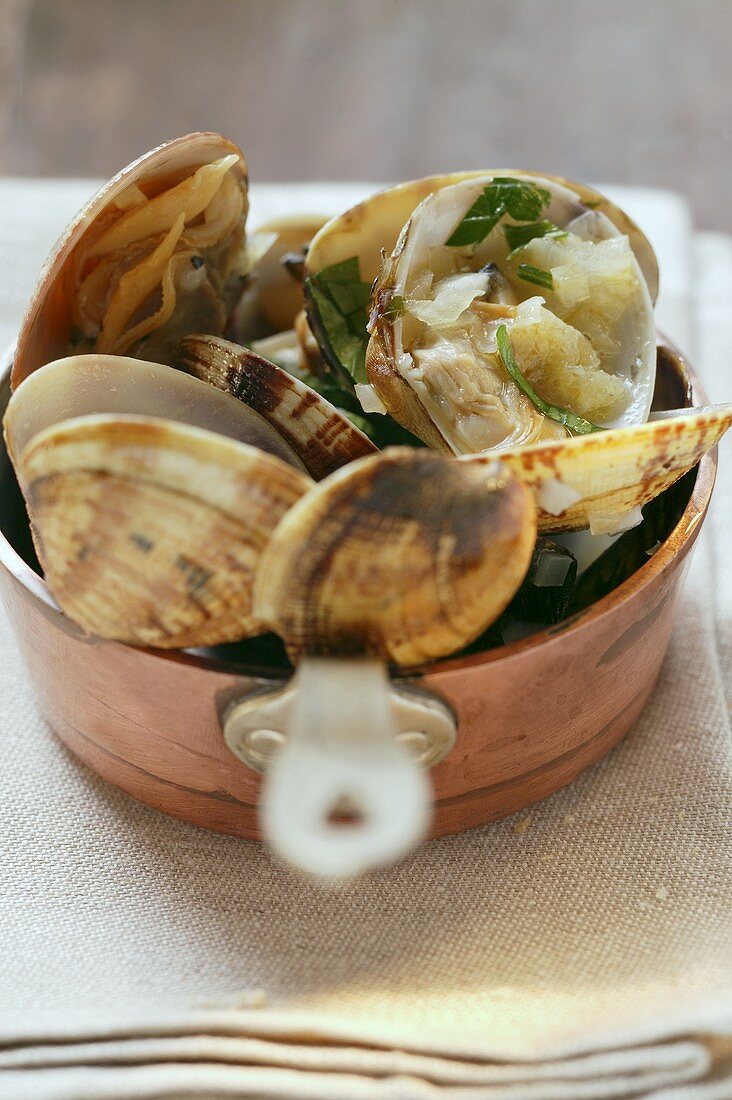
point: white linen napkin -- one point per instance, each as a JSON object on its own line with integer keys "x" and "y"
{"x": 580, "y": 950}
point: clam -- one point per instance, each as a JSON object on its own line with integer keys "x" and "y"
{"x": 523, "y": 254}
{"x": 514, "y": 317}
{"x": 321, "y": 435}
{"x": 151, "y": 498}
{"x": 404, "y": 556}
{"x": 354, "y": 242}
{"x": 158, "y": 252}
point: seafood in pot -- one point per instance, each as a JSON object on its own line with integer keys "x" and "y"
{"x": 160, "y": 251}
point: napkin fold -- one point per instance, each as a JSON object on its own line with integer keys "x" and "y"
{"x": 580, "y": 950}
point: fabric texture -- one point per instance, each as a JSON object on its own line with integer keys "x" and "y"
{"x": 579, "y": 951}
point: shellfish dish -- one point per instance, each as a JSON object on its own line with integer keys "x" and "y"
{"x": 426, "y": 426}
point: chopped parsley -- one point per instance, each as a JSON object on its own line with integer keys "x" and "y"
{"x": 522, "y": 200}
{"x": 536, "y": 275}
{"x": 518, "y": 236}
{"x": 570, "y": 420}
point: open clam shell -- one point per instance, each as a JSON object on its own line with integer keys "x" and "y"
{"x": 602, "y": 480}
{"x": 322, "y": 436}
{"x": 159, "y": 251}
{"x": 406, "y": 555}
{"x": 373, "y": 226}
{"x": 584, "y": 337}
{"x": 368, "y": 230}
{"x": 151, "y": 531}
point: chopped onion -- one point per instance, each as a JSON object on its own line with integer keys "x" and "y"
{"x": 131, "y": 196}
{"x": 551, "y": 570}
{"x": 369, "y": 398}
{"x": 593, "y": 225}
{"x": 608, "y": 524}
{"x": 556, "y": 496}
{"x": 571, "y": 284}
{"x": 452, "y": 297}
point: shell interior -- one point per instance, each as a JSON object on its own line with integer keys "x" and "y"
{"x": 86, "y": 384}
{"x": 584, "y": 339}
{"x": 159, "y": 251}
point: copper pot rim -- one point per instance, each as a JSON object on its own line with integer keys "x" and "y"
{"x": 676, "y": 545}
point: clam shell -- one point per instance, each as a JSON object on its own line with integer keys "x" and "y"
{"x": 374, "y": 225}
{"x": 406, "y": 555}
{"x": 46, "y": 332}
{"x": 371, "y": 228}
{"x": 83, "y": 384}
{"x": 150, "y": 531}
{"x": 322, "y": 436}
{"x": 611, "y": 474}
{"x": 409, "y": 396}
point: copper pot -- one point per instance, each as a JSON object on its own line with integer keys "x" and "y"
{"x": 530, "y": 716}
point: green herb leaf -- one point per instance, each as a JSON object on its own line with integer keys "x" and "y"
{"x": 341, "y": 300}
{"x": 521, "y": 199}
{"x": 518, "y": 236}
{"x": 348, "y": 348}
{"x": 536, "y": 275}
{"x": 571, "y": 420}
{"x": 524, "y": 201}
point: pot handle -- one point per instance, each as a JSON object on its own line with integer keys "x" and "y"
{"x": 344, "y": 750}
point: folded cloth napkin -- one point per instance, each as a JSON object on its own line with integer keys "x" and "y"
{"x": 582, "y": 949}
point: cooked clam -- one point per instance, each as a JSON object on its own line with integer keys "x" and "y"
{"x": 158, "y": 252}
{"x": 525, "y": 255}
{"x": 151, "y": 531}
{"x": 322, "y": 436}
{"x": 151, "y": 496}
{"x": 346, "y": 256}
{"x": 406, "y": 555}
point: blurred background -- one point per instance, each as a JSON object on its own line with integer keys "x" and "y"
{"x": 633, "y": 91}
